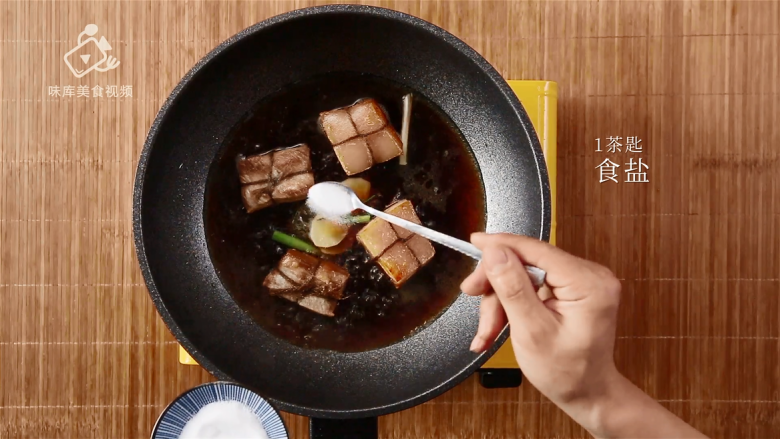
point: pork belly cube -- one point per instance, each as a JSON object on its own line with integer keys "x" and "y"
{"x": 421, "y": 248}
{"x": 337, "y": 125}
{"x": 399, "y": 263}
{"x": 330, "y": 281}
{"x": 254, "y": 169}
{"x": 292, "y": 297}
{"x": 294, "y": 188}
{"x": 385, "y": 145}
{"x": 403, "y": 209}
{"x": 377, "y": 236}
{"x": 299, "y": 267}
{"x": 281, "y": 176}
{"x": 290, "y": 161}
{"x": 367, "y": 116}
{"x": 278, "y": 285}
{"x": 320, "y": 305}
{"x": 310, "y": 282}
{"x": 354, "y": 156}
{"x": 256, "y": 196}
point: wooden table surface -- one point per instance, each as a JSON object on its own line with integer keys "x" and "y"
{"x": 84, "y": 354}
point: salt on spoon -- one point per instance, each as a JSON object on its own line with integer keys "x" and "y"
{"x": 332, "y": 200}
{"x": 335, "y": 201}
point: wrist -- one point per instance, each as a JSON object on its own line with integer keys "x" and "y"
{"x": 596, "y": 410}
{"x": 624, "y": 410}
{"x": 604, "y": 409}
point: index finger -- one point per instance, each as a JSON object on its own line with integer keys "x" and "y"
{"x": 561, "y": 267}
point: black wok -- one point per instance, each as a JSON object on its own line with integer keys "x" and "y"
{"x": 191, "y": 127}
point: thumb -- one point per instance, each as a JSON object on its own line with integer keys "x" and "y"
{"x": 509, "y": 280}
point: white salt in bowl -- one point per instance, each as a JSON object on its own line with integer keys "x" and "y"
{"x": 183, "y": 409}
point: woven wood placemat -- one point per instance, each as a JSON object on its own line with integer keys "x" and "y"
{"x": 84, "y": 354}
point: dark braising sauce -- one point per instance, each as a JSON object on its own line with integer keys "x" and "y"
{"x": 441, "y": 180}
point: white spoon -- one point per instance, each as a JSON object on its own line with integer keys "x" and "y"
{"x": 336, "y": 201}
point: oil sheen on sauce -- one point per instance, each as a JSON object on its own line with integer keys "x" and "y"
{"x": 441, "y": 179}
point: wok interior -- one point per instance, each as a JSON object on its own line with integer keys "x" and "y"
{"x": 369, "y": 311}
{"x": 186, "y": 288}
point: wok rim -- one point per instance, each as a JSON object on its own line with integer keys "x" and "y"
{"x": 270, "y": 22}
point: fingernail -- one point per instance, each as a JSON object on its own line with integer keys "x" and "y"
{"x": 494, "y": 259}
{"x": 477, "y": 345}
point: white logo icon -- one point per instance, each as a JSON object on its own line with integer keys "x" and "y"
{"x": 78, "y": 59}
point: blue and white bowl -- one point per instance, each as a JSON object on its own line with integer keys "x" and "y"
{"x": 182, "y": 409}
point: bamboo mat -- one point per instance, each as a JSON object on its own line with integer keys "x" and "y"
{"x": 84, "y": 354}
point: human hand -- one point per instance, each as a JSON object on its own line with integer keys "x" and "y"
{"x": 564, "y": 341}
{"x": 564, "y": 345}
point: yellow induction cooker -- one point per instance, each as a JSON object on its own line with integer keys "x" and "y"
{"x": 540, "y": 99}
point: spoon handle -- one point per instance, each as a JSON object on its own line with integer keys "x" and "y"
{"x": 537, "y": 274}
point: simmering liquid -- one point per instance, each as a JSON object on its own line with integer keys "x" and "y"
{"x": 441, "y": 180}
